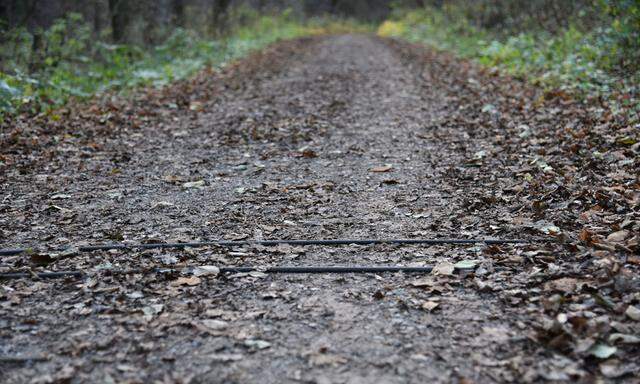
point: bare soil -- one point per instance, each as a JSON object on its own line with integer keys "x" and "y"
{"x": 328, "y": 137}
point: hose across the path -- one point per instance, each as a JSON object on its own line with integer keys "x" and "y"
{"x": 226, "y": 270}
{"x": 233, "y": 243}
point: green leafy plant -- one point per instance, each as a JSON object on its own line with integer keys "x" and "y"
{"x": 587, "y": 62}
{"x": 42, "y": 70}
{"x": 625, "y": 30}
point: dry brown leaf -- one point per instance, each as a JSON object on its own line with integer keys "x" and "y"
{"x": 613, "y": 368}
{"x": 190, "y": 281}
{"x": 618, "y": 237}
{"x": 309, "y": 154}
{"x": 565, "y": 285}
{"x": 384, "y": 168}
{"x": 224, "y": 357}
{"x": 196, "y": 106}
{"x": 424, "y": 282}
{"x": 320, "y": 359}
{"x": 215, "y": 325}
{"x": 430, "y": 305}
{"x": 633, "y": 260}
{"x": 633, "y": 313}
{"x": 444, "y": 268}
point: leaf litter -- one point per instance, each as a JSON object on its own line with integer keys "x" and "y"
{"x": 489, "y": 157}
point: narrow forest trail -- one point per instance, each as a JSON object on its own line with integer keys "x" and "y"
{"x": 292, "y": 150}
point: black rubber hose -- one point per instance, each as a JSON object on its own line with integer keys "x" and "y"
{"x": 40, "y": 275}
{"x": 330, "y": 269}
{"x": 225, "y": 243}
{"x": 223, "y": 270}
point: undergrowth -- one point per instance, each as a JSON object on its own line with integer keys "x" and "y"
{"x": 73, "y": 64}
{"x": 583, "y": 63}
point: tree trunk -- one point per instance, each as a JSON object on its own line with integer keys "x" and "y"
{"x": 177, "y": 7}
{"x": 96, "y": 18}
{"x": 218, "y": 12}
{"x": 4, "y": 16}
{"x": 119, "y": 12}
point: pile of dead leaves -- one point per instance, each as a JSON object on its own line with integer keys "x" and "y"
{"x": 576, "y": 167}
{"x": 28, "y": 140}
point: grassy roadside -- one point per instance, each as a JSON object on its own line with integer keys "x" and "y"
{"x": 75, "y": 67}
{"x": 573, "y": 61}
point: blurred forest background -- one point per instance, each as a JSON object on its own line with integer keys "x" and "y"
{"x": 583, "y": 48}
{"x": 51, "y": 50}
{"x": 151, "y": 21}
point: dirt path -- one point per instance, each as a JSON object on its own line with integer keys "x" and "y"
{"x": 289, "y": 151}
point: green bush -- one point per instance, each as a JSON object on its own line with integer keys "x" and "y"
{"x": 67, "y": 62}
{"x": 625, "y": 30}
{"x": 601, "y": 61}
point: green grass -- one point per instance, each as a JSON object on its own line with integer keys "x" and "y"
{"x": 74, "y": 66}
{"x": 584, "y": 64}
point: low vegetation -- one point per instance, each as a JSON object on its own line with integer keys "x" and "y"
{"x": 70, "y": 64}
{"x": 590, "y": 50}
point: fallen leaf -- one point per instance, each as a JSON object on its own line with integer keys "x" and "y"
{"x": 206, "y": 270}
{"x": 151, "y": 311}
{"x": 191, "y": 281}
{"x": 384, "y": 168}
{"x": 309, "y": 154}
{"x": 550, "y": 229}
{"x": 196, "y": 106}
{"x": 623, "y": 338}
{"x": 633, "y": 313}
{"x": 135, "y": 295}
{"x": 587, "y": 236}
{"x": 194, "y": 184}
{"x": 224, "y": 358}
{"x": 618, "y": 237}
{"x": 424, "y": 282}
{"x": 173, "y": 179}
{"x": 429, "y": 305}
{"x": 497, "y": 334}
{"x": 71, "y": 251}
{"x": 489, "y": 108}
{"x": 166, "y": 259}
{"x": 162, "y": 204}
{"x": 626, "y": 140}
{"x": 257, "y": 344}
{"x": 41, "y": 258}
{"x": 60, "y": 196}
{"x": 320, "y": 359}
{"x": 480, "y": 155}
{"x": 465, "y": 264}
{"x": 215, "y": 325}
{"x": 565, "y": 285}
{"x": 613, "y": 369}
{"x": 444, "y": 268}
{"x": 239, "y": 275}
{"x": 602, "y": 351}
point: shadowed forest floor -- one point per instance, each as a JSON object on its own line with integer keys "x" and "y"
{"x": 347, "y": 136}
